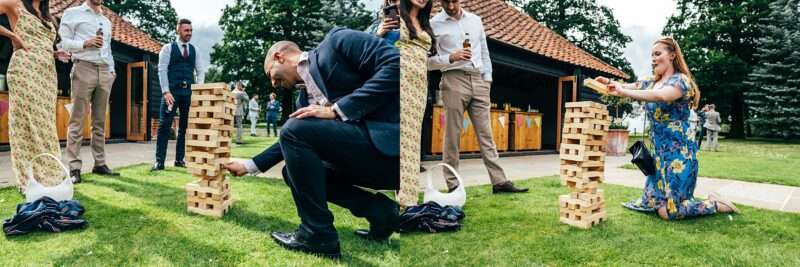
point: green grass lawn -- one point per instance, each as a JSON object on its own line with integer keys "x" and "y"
{"x": 523, "y": 230}
{"x": 760, "y": 161}
{"x": 252, "y": 146}
{"x": 140, "y": 219}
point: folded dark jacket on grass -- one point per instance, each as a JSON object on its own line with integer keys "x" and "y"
{"x": 432, "y": 218}
{"x": 45, "y": 214}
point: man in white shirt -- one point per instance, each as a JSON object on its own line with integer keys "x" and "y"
{"x": 86, "y": 33}
{"x": 465, "y": 85}
{"x": 178, "y": 68}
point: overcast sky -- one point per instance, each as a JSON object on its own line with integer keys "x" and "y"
{"x": 642, "y": 20}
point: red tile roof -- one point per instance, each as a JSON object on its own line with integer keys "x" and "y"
{"x": 508, "y": 25}
{"x": 122, "y": 31}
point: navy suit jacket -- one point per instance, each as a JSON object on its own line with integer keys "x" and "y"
{"x": 361, "y": 74}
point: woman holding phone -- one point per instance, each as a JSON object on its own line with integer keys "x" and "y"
{"x": 389, "y": 27}
{"x": 670, "y": 95}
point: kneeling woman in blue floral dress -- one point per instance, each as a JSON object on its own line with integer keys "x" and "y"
{"x": 670, "y": 95}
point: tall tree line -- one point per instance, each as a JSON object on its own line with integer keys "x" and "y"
{"x": 252, "y": 26}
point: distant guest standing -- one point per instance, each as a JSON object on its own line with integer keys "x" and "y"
{"x": 701, "y": 131}
{"x": 241, "y": 104}
{"x": 273, "y": 113}
{"x": 712, "y": 128}
{"x": 252, "y": 114}
{"x": 178, "y": 69}
{"x": 86, "y": 33}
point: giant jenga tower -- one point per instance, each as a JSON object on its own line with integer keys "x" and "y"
{"x": 208, "y": 141}
{"x": 583, "y": 142}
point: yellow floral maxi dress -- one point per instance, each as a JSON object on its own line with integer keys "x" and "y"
{"x": 33, "y": 90}
{"x": 413, "y": 93}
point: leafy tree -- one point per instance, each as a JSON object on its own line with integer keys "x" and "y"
{"x": 155, "y": 17}
{"x": 774, "y": 97}
{"x": 252, "y": 26}
{"x": 585, "y": 23}
{"x": 719, "y": 40}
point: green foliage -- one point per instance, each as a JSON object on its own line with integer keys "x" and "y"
{"x": 155, "y": 17}
{"x": 719, "y": 41}
{"x": 585, "y": 23}
{"x": 252, "y": 26}
{"x": 774, "y": 98}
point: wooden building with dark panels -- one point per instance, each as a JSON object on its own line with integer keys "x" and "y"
{"x": 135, "y": 95}
{"x": 533, "y": 67}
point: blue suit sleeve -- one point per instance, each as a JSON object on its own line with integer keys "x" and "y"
{"x": 373, "y": 58}
{"x": 267, "y": 159}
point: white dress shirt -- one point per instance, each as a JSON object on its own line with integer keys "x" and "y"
{"x": 450, "y": 34}
{"x": 79, "y": 24}
{"x": 163, "y": 65}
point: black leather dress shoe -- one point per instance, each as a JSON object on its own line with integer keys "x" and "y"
{"x": 76, "y": 176}
{"x": 104, "y": 170}
{"x": 293, "y": 241}
{"x": 507, "y": 187}
{"x": 368, "y": 235}
{"x": 157, "y": 167}
{"x": 180, "y": 164}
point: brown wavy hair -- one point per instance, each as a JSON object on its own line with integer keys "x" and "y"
{"x": 424, "y": 18}
{"x": 44, "y": 7}
{"x": 679, "y": 64}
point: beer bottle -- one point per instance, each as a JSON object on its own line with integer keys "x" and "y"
{"x": 466, "y": 44}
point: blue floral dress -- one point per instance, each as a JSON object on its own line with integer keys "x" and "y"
{"x": 675, "y": 154}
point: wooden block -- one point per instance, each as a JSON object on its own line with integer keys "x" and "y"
{"x": 586, "y": 120}
{"x": 206, "y": 138}
{"x": 582, "y": 104}
{"x": 595, "y": 132}
{"x": 216, "y": 115}
{"x": 218, "y": 182}
{"x": 203, "y": 125}
{"x": 206, "y": 164}
{"x": 580, "y": 205}
{"x": 582, "y": 172}
{"x": 209, "y": 86}
{"x": 195, "y": 191}
{"x": 584, "y": 222}
{"x": 583, "y": 164}
{"x": 578, "y": 184}
{"x": 581, "y": 153}
{"x": 583, "y": 139}
{"x": 213, "y": 209}
{"x": 213, "y": 150}
{"x": 595, "y": 86}
{"x": 218, "y": 111}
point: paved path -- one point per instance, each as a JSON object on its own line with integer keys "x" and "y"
{"x": 117, "y": 155}
{"x": 767, "y": 196}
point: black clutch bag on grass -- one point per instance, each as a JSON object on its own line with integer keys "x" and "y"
{"x": 642, "y": 158}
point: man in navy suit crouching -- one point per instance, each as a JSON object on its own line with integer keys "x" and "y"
{"x": 344, "y": 134}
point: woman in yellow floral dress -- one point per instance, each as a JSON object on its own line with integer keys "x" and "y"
{"x": 33, "y": 90}
{"x": 670, "y": 95}
{"x": 415, "y": 45}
